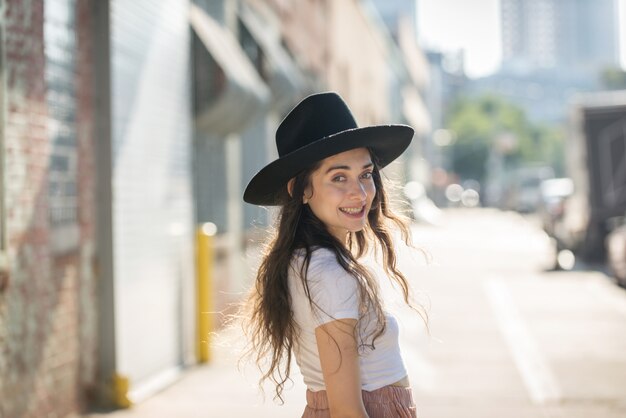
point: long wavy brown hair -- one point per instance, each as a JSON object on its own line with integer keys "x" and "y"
{"x": 267, "y": 315}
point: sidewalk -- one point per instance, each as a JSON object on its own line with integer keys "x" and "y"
{"x": 507, "y": 339}
{"x": 218, "y": 390}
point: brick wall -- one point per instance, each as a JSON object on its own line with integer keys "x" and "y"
{"x": 47, "y": 313}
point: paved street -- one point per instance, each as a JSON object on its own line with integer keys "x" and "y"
{"x": 507, "y": 339}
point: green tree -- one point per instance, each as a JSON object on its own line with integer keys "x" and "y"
{"x": 553, "y": 148}
{"x": 472, "y": 129}
{"x": 480, "y": 124}
{"x": 613, "y": 78}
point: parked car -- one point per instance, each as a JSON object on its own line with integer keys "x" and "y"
{"x": 595, "y": 161}
{"x": 554, "y": 194}
{"x": 523, "y": 194}
{"x": 424, "y": 210}
{"x": 551, "y": 206}
{"x": 616, "y": 251}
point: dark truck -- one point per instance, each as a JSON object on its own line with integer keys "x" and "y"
{"x": 596, "y": 162}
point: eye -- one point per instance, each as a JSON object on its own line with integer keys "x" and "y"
{"x": 339, "y": 178}
{"x": 367, "y": 175}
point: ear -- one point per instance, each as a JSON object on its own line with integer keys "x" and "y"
{"x": 290, "y": 190}
{"x": 290, "y": 186}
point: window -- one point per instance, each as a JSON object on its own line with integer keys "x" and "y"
{"x": 60, "y": 54}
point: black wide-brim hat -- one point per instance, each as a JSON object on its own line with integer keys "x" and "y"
{"x": 320, "y": 126}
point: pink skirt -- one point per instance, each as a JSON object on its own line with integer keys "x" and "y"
{"x": 386, "y": 402}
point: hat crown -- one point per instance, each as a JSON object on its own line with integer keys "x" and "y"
{"x": 315, "y": 117}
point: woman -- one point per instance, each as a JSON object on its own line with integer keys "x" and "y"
{"x": 313, "y": 298}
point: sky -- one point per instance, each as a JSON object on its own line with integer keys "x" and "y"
{"x": 474, "y": 26}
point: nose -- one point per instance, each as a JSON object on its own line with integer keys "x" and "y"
{"x": 357, "y": 190}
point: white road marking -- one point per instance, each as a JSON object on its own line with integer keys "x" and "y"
{"x": 540, "y": 382}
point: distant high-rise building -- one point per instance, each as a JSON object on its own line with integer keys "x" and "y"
{"x": 574, "y": 34}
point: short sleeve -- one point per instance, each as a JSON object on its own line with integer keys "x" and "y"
{"x": 333, "y": 290}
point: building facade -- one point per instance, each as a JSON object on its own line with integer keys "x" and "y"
{"x": 97, "y": 219}
{"x": 394, "y": 72}
{"x": 48, "y": 349}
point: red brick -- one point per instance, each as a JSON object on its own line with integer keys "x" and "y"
{"x": 48, "y": 351}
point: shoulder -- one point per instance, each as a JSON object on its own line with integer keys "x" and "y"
{"x": 322, "y": 261}
{"x": 332, "y": 291}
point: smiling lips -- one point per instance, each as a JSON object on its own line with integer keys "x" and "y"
{"x": 353, "y": 212}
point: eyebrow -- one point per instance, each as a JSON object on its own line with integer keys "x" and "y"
{"x": 345, "y": 167}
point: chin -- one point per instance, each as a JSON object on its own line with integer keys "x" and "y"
{"x": 356, "y": 229}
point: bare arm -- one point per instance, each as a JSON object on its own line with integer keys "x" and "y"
{"x": 339, "y": 359}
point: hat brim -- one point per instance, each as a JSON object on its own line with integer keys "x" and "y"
{"x": 386, "y": 141}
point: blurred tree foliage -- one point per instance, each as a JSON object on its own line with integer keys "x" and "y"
{"x": 491, "y": 124}
{"x": 613, "y": 79}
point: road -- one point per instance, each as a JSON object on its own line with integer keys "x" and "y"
{"x": 505, "y": 337}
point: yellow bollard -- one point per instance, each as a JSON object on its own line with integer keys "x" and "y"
{"x": 204, "y": 289}
{"x": 121, "y": 385}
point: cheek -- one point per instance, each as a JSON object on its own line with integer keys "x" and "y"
{"x": 333, "y": 198}
{"x": 327, "y": 200}
{"x": 330, "y": 192}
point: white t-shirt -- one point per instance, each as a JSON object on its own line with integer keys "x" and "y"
{"x": 335, "y": 292}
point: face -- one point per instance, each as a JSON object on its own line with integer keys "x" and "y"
{"x": 341, "y": 191}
